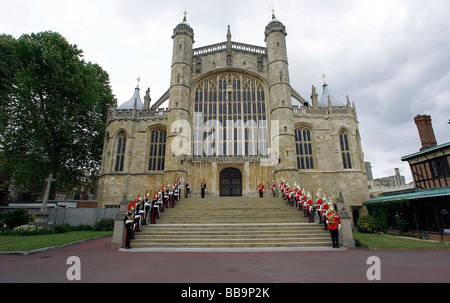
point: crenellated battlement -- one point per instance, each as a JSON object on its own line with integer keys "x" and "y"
{"x": 132, "y": 114}
{"x": 234, "y": 46}
{"x": 324, "y": 111}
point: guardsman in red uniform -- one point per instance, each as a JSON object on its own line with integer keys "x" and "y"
{"x": 309, "y": 207}
{"x": 154, "y": 208}
{"x": 273, "y": 188}
{"x": 187, "y": 189}
{"x": 261, "y": 189}
{"x": 147, "y": 207}
{"x": 323, "y": 212}
{"x": 282, "y": 188}
{"x": 303, "y": 203}
{"x": 137, "y": 216}
{"x": 140, "y": 210}
{"x": 298, "y": 197}
{"x": 291, "y": 197}
{"x": 174, "y": 194}
{"x": 129, "y": 222}
{"x": 166, "y": 196}
{"x": 334, "y": 223}
{"x": 203, "y": 188}
{"x": 176, "y": 191}
{"x": 319, "y": 203}
{"x": 294, "y": 194}
{"x": 287, "y": 193}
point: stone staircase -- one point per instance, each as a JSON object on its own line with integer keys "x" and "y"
{"x": 231, "y": 222}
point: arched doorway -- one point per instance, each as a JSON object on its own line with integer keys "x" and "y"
{"x": 355, "y": 214}
{"x": 230, "y": 182}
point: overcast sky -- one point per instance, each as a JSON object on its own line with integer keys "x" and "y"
{"x": 392, "y": 58}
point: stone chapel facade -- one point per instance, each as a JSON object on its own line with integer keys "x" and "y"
{"x": 231, "y": 121}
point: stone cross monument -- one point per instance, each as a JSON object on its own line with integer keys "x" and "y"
{"x": 119, "y": 226}
{"x": 345, "y": 233}
{"x": 42, "y": 216}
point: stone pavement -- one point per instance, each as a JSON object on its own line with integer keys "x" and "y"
{"x": 99, "y": 263}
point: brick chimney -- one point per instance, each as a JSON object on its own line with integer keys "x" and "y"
{"x": 426, "y": 132}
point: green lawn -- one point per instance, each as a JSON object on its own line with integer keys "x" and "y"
{"x": 379, "y": 241}
{"x": 28, "y": 243}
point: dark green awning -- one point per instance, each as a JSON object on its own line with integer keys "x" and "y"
{"x": 420, "y": 194}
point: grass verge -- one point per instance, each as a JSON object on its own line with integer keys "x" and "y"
{"x": 380, "y": 241}
{"x": 29, "y": 243}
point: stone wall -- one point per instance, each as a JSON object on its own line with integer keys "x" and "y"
{"x": 74, "y": 216}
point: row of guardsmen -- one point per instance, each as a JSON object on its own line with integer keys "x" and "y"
{"x": 143, "y": 211}
{"x": 323, "y": 209}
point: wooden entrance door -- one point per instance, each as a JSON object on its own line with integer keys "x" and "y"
{"x": 230, "y": 182}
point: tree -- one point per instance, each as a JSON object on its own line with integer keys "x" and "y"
{"x": 54, "y": 107}
{"x": 7, "y": 63}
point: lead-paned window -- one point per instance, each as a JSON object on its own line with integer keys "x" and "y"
{"x": 304, "y": 149}
{"x": 120, "y": 151}
{"x": 241, "y": 110}
{"x": 345, "y": 150}
{"x": 157, "y": 150}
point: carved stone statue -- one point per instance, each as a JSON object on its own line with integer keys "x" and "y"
{"x": 229, "y": 60}
{"x": 345, "y": 232}
{"x": 340, "y": 202}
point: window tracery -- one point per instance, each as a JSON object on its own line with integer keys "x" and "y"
{"x": 157, "y": 150}
{"x": 345, "y": 150}
{"x": 304, "y": 148}
{"x": 230, "y": 116}
{"x": 120, "y": 151}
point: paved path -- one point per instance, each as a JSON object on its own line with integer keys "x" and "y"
{"x": 99, "y": 263}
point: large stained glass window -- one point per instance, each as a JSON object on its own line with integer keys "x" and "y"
{"x": 230, "y": 117}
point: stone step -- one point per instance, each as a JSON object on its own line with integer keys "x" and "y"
{"x": 233, "y": 227}
{"x": 231, "y": 236}
{"x": 208, "y": 241}
{"x": 230, "y": 226}
{"x": 247, "y": 243}
{"x": 231, "y": 222}
{"x": 254, "y": 232}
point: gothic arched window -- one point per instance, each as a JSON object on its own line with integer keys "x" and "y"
{"x": 230, "y": 117}
{"x": 304, "y": 148}
{"x": 120, "y": 151}
{"x": 157, "y": 151}
{"x": 345, "y": 150}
